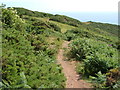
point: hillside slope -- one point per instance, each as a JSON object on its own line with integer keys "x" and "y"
{"x": 32, "y": 39}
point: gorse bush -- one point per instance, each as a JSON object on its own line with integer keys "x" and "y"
{"x": 26, "y": 61}
{"x": 96, "y": 55}
{"x": 11, "y": 19}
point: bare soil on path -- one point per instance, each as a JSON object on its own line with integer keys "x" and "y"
{"x": 73, "y": 79}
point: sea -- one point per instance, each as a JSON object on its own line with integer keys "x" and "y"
{"x": 103, "y": 17}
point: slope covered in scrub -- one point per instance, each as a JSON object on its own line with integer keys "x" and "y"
{"x": 31, "y": 40}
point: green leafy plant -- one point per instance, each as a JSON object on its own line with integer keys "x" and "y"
{"x": 96, "y": 55}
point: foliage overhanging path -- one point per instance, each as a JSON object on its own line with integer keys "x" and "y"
{"x": 73, "y": 79}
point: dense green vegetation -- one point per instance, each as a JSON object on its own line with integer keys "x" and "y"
{"x": 31, "y": 40}
{"x": 97, "y": 55}
{"x": 106, "y": 27}
{"x": 23, "y": 11}
{"x": 99, "y": 61}
{"x": 28, "y": 62}
{"x": 66, "y": 20}
{"x": 58, "y": 18}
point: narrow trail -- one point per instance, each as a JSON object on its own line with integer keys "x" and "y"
{"x": 73, "y": 79}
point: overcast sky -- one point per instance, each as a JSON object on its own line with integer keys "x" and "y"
{"x": 65, "y": 5}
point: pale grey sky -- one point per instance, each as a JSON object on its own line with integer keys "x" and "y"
{"x": 66, "y": 5}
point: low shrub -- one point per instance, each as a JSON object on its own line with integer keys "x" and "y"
{"x": 96, "y": 55}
